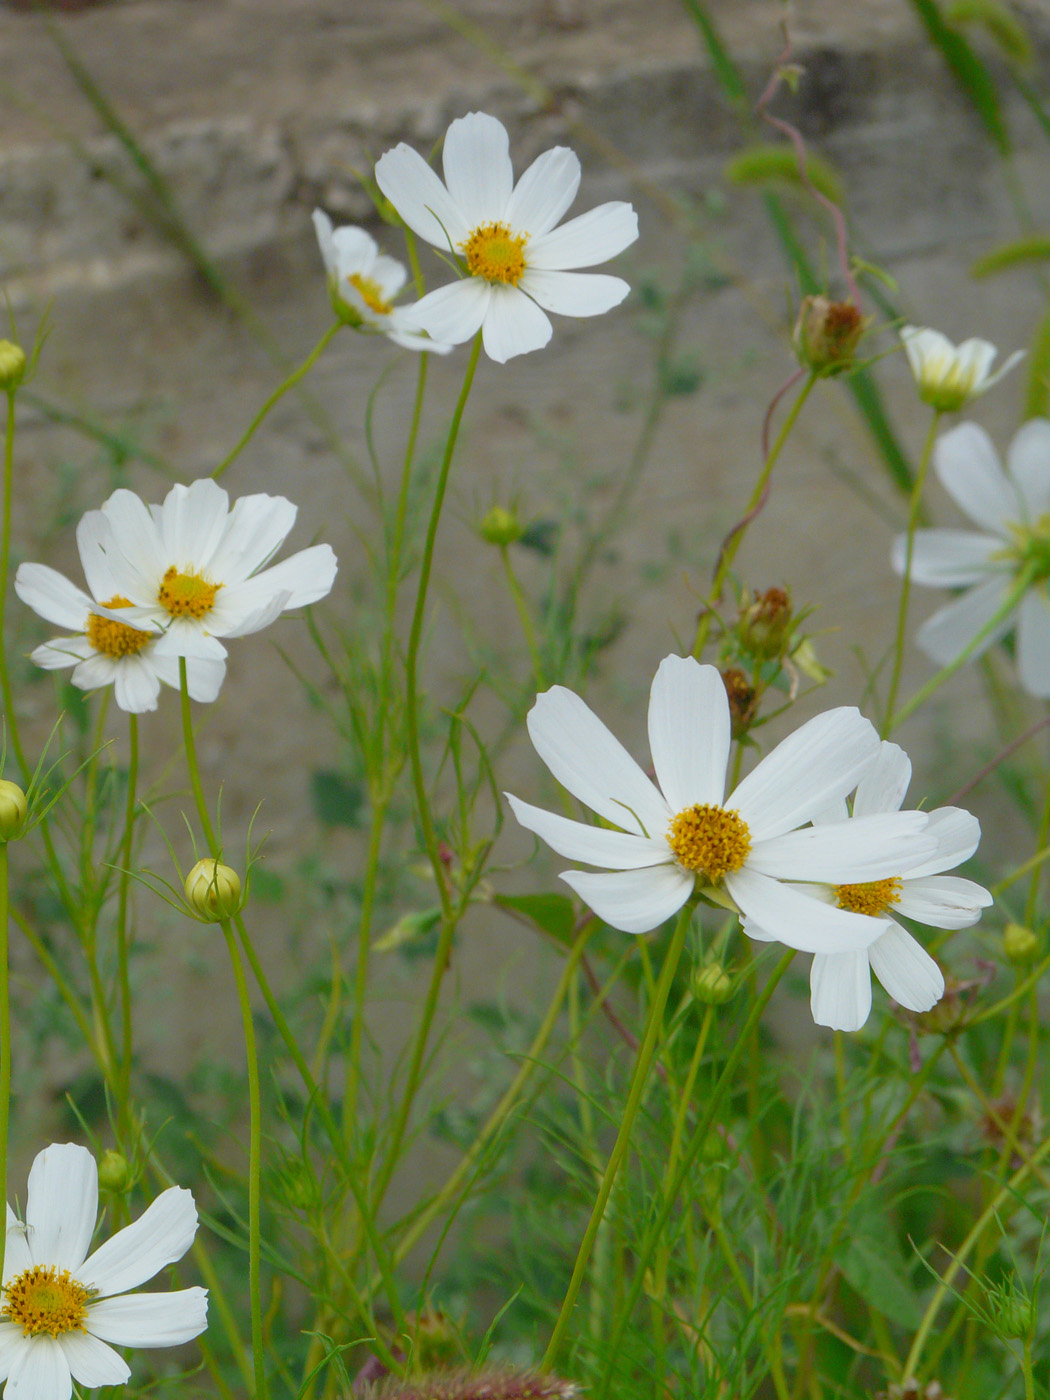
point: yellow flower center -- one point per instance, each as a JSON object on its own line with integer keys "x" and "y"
{"x": 494, "y": 252}
{"x": 872, "y": 898}
{"x": 186, "y": 595}
{"x": 115, "y": 638}
{"x": 371, "y": 294}
{"x": 46, "y": 1299}
{"x": 709, "y": 840}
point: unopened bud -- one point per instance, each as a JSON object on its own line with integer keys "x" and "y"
{"x": 114, "y": 1174}
{"x": 13, "y": 807}
{"x": 12, "y": 364}
{"x": 500, "y": 526}
{"x": 826, "y": 334}
{"x": 213, "y": 890}
{"x": 1012, "y": 1311}
{"x": 1020, "y": 945}
{"x": 712, "y": 985}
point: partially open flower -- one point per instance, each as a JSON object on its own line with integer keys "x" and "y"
{"x": 213, "y": 890}
{"x": 949, "y": 376}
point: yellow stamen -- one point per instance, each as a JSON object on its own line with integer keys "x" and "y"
{"x": 46, "y": 1299}
{"x": 115, "y": 638}
{"x": 371, "y": 293}
{"x": 709, "y": 840}
{"x": 872, "y": 898}
{"x": 187, "y": 595}
{"x": 494, "y": 252}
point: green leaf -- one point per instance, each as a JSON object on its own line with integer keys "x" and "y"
{"x": 407, "y": 929}
{"x": 997, "y": 21}
{"x": 553, "y": 913}
{"x": 760, "y": 165}
{"x": 968, "y": 70}
{"x": 725, "y": 68}
{"x": 1025, "y": 250}
{"x": 336, "y": 800}
{"x": 877, "y": 1272}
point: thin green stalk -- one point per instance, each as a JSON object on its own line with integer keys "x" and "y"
{"x": 524, "y": 617}
{"x": 279, "y": 393}
{"x": 1032, "y": 902}
{"x": 401, "y": 516}
{"x": 251, "y": 1056}
{"x": 426, "y": 821}
{"x": 1026, "y": 1366}
{"x": 672, "y": 1197}
{"x": 1021, "y": 586}
{"x": 122, "y": 914}
{"x": 914, "y": 511}
{"x": 732, "y": 545}
{"x": 5, "y": 565}
{"x": 639, "y": 1078}
{"x": 364, "y": 942}
{"x": 5, "y": 1036}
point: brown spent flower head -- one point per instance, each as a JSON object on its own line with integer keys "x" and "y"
{"x": 766, "y": 623}
{"x": 742, "y": 700}
{"x": 826, "y": 334}
{"x": 474, "y": 1385}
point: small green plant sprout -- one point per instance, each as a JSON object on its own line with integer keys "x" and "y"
{"x": 13, "y": 808}
{"x": 213, "y": 891}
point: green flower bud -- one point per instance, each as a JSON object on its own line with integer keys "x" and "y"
{"x": 712, "y": 985}
{"x": 500, "y": 526}
{"x": 1020, "y": 945}
{"x": 213, "y": 890}
{"x": 1012, "y": 1312}
{"x": 13, "y": 807}
{"x": 114, "y": 1174}
{"x": 12, "y": 364}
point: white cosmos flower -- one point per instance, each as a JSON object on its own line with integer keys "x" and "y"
{"x": 1011, "y": 509}
{"x": 103, "y": 651}
{"x": 840, "y": 983}
{"x": 193, "y": 570}
{"x": 61, "y": 1306}
{"x": 686, "y": 835}
{"x": 363, "y": 283}
{"x": 948, "y": 376}
{"x": 516, "y": 260}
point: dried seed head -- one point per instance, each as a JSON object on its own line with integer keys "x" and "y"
{"x": 474, "y": 1385}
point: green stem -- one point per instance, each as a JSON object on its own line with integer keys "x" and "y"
{"x": 672, "y": 1197}
{"x": 1021, "y": 586}
{"x": 642, "y": 1066}
{"x": 426, "y": 821}
{"x": 401, "y": 517}
{"x": 5, "y": 1037}
{"x": 524, "y": 617}
{"x": 732, "y": 545}
{"x": 10, "y": 726}
{"x": 1026, "y": 1367}
{"x": 914, "y": 510}
{"x": 122, "y": 915}
{"x": 282, "y": 389}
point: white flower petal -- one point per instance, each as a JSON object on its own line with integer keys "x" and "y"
{"x": 355, "y": 252}
{"x": 1033, "y": 642}
{"x": 186, "y": 637}
{"x": 574, "y": 293}
{"x": 968, "y": 466}
{"x": 948, "y": 558}
{"x": 61, "y": 1205}
{"x": 797, "y": 919}
{"x": 17, "y": 1256}
{"x": 95, "y": 547}
{"x": 906, "y": 970}
{"x": 95, "y": 671}
{"x": 40, "y": 1372}
{"x": 942, "y": 901}
{"x": 203, "y": 678}
{"x": 193, "y": 521}
{"x": 513, "y": 325}
{"x": 840, "y": 990}
{"x": 150, "y": 1319}
{"x": 323, "y": 228}
{"x": 389, "y": 275}
{"x": 135, "y": 685}
{"x": 875, "y": 847}
{"x": 454, "y": 313}
{"x": 92, "y": 1362}
{"x": 820, "y": 762}
{"x": 256, "y": 528}
{"x": 300, "y": 580}
{"x": 595, "y": 767}
{"x": 944, "y": 635}
{"x": 13, "y": 1340}
{"x": 634, "y": 901}
{"x": 478, "y": 172}
{"x": 883, "y": 786}
{"x": 160, "y": 1236}
{"x": 590, "y": 238}
{"x": 52, "y": 596}
{"x": 544, "y": 192}
{"x": 616, "y": 850}
{"x": 689, "y": 733}
{"x": 138, "y": 561}
{"x": 1028, "y": 462}
{"x": 957, "y": 832}
{"x": 420, "y": 198}
{"x": 61, "y": 652}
